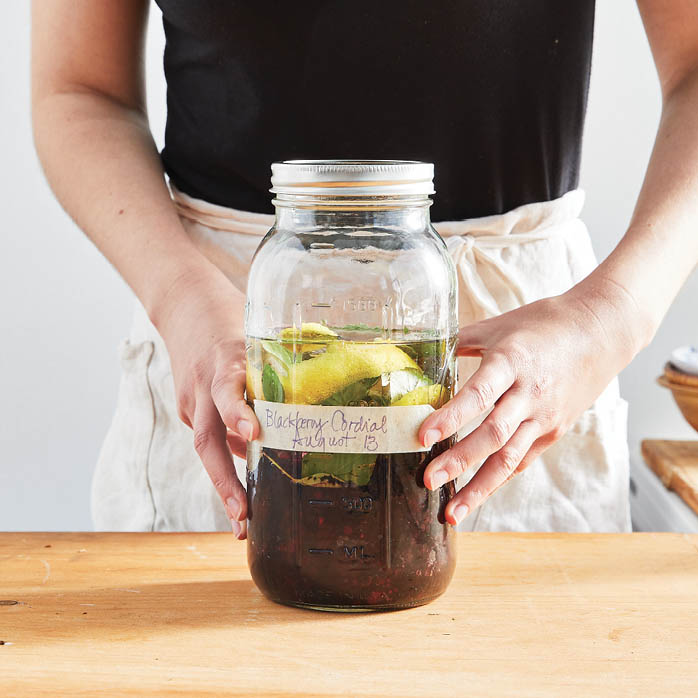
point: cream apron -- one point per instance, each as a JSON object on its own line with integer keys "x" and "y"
{"x": 149, "y": 478}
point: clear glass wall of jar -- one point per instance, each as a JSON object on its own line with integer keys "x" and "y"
{"x": 351, "y": 326}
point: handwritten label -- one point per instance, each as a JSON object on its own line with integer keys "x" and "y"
{"x": 322, "y": 429}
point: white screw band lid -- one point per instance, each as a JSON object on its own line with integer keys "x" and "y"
{"x": 352, "y": 178}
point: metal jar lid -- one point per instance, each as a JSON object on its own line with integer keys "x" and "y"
{"x": 352, "y": 178}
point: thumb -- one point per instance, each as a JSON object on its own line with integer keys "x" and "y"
{"x": 227, "y": 392}
{"x": 472, "y": 339}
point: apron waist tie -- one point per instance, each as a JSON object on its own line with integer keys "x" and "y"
{"x": 231, "y": 220}
{"x": 471, "y": 243}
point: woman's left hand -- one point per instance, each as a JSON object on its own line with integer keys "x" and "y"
{"x": 542, "y": 365}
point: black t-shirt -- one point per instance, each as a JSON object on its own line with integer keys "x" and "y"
{"x": 493, "y": 92}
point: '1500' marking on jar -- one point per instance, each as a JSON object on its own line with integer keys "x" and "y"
{"x": 360, "y": 305}
{"x": 335, "y": 432}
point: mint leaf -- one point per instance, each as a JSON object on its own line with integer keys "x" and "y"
{"x": 351, "y": 468}
{"x": 354, "y": 392}
{"x": 409, "y": 350}
{"x": 280, "y": 352}
{"x": 359, "y": 327}
{"x": 271, "y": 385}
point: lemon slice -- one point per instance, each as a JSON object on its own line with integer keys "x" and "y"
{"x": 254, "y": 388}
{"x": 314, "y": 332}
{"x": 312, "y": 381}
{"x": 434, "y": 395}
{"x": 398, "y": 383}
{"x": 308, "y": 330}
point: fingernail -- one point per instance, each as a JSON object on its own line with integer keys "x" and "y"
{"x": 431, "y": 436}
{"x": 237, "y": 528}
{"x": 234, "y": 508}
{"x": 245, "y": 429}
{"x": 460, "y": 512}
{"x": 440, "y": 477}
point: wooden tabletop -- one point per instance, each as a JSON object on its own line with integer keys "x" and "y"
{"x": 176, "y": 614}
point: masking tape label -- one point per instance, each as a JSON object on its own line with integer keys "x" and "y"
{"x": 332, "y": 429}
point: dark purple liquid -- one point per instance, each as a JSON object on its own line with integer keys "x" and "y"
{"x": 381, "y": 546}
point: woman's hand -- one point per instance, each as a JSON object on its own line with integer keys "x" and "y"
{"x": 201, "y": 321}
{"x": 542, "y": 365}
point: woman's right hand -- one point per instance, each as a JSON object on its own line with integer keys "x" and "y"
{"x": 200, "y": 319}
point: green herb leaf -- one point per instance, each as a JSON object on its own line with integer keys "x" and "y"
{"x": 410, "y": 351}
{"x": 352, "y": 468}
{"x": 280, "y": 352}
{"x": 359, "y": 327}
{"x": 271, "y": 385}
{"x": 354, "y": 392}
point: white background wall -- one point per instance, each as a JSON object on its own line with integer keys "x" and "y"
{"x": 63, "y": 309}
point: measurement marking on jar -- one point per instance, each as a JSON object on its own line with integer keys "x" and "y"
{"x": 321, "y": 551}
{"x": 321, "y": 305}
{"x": 362, "y": 305}
{"x": 356, "y": 552}
{"x": 361, "y": 504}
{"x": 321, "y": 502}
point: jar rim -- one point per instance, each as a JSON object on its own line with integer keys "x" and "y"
{"x": 355, "y": 178}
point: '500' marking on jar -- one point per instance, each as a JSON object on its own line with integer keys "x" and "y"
{"x": 361, "y": 504}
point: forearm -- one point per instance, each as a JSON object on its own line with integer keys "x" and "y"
{"x": 660, "y": 248}
{"x": 101, "y": 162}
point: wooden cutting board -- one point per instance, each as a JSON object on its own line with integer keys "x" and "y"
{"x": 177, "y": 614}
{"x": 676, "y": 464}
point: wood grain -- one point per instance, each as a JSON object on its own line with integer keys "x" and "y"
{"x": 676, "y": 465}
{"x": 177, "y": 614}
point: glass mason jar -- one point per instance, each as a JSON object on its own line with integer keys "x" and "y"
{"x": 351, "y": 329}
